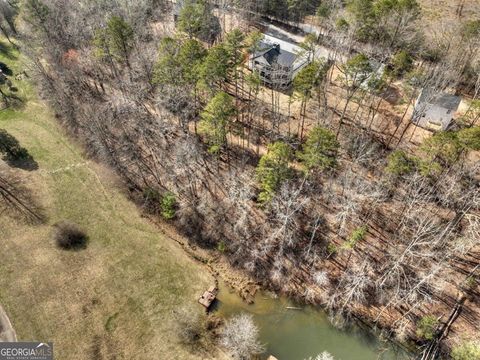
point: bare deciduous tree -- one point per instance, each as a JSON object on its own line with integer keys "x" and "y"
{"x": 240, "y": 337}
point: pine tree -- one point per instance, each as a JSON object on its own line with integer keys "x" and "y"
{"x": 307, "y": 80}
{"x": 116, "y": 40}
{"x": 214, "y": 121}
{"x": 273, "y": 169}
{"x": 120, "y": 36}
{"x": 320, "y": 150}
{"x": 214, "y": 69}
{"x": 167, "y": 68}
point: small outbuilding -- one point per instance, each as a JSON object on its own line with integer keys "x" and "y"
{"x": 435, "y": 110}
{"x": 208, "y": 297}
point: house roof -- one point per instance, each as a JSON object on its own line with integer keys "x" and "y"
{"x": 273, "y": 53}
{"x": 443, "y": 100}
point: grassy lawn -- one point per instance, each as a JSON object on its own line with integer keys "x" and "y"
{"x": 113, "y": 300}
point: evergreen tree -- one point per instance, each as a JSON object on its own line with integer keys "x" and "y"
{"x": 400, "y": 163}
{"x": 469, "y": 350}
{"x": 36, "y": 13}
{"x": 197, "y": 20}
{"x": 364, "y": 15}
{"x": 214, "y": 121}
{"x": 120, "y": 38}
{"x": 168, "y": 205}
{"x": 356, "y": 70}
{"x": 320, "y": 150}
{"x": 307, "y": 80}
{"x": 470, "y": 138}
{"x": 167, "y": 69}
{"x": 190, "y": 58}
{"x": 190, "y": 19}
{"x": 214, "y": 69}
{"x": 234, "y": 44}
{"x": 115, "y": 41}
{"x": 252, "y": 41}
{"x": 426, "y": 327}
{"x": 401, "y": 63}
{"x": 273, "y": 169}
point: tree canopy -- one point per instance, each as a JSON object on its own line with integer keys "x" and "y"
{"x": 116, "y": 40}
{"x": 214, "y": 120}
{"x": 320, "y": 150}
{"x": 273, "y": 169}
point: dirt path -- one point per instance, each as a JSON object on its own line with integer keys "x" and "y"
{"x": 7, "y": 333}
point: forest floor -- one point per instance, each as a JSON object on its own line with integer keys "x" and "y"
{"x": 115, "y": 298}
{"x": 438, "y": 13}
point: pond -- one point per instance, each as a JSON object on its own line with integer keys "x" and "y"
{"x": 297, "y": 334}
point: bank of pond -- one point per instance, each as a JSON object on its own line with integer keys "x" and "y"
{"x": 292, "y": 332}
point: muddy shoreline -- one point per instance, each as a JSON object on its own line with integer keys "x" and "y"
{"x": 246, "y": 287}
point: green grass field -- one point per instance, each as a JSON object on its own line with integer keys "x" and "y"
{"x": 113, "y": 300}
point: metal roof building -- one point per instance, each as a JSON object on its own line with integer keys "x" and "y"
{"x": 435, "y": 110}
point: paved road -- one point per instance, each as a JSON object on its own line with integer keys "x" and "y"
{"x": 6, "y": 330}
{"x": 290, "y": 41}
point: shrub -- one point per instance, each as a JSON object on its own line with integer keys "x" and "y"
{"x": 357, "y": 235}
{"x": 70, "y": 236}
{"x": 470, "y": 138}
{"x": 168, "y": 205}
{"x": 341, "y": 24}
{"x": 195, "y": 329}
{"x": 466, "y": 351}
{"x": 221, "y": 246}
{"x": 324, "y": 10}
{"x": 426, "y": 327}
{"x": 331, "y": 248}
{"x": 401, "y": 63}
{"x": 400, "y": 163}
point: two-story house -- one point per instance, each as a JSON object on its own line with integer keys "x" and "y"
{"x": 276, "y": 66}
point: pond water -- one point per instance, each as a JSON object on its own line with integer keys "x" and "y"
{"x": 296, "y": 334}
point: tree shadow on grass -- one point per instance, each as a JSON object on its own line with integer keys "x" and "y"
{"x": 18, "y": 201}
{"x": 5, "y": 69}
{"x": 7, "y": 50}
{"x": 14, "y": 154}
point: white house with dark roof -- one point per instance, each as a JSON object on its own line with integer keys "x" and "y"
{"x": 276, "y": 65}
{"x": 435, "y": 110}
